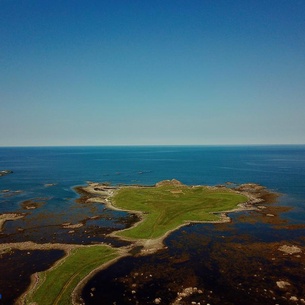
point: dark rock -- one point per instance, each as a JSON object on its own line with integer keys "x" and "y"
{"x": 5, "y": 172}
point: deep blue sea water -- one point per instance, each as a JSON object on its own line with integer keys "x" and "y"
{"x": 48, "y": 174}
{"x": 280, "y": 168}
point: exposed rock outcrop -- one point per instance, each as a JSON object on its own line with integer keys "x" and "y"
{"x": 172, "y": 182}
{"x": 5, "y": 172}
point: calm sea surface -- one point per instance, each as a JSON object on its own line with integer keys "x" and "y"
{"x": 48, "y": 175}
{"x": 280, "y": 168}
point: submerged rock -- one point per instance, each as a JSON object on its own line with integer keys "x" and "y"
{"x": 32, "y": 204}
{"x": 283, "y": 284}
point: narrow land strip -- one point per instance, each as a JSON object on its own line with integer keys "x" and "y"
{"x": 56, "y": 285}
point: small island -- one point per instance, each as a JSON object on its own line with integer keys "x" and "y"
{"x": 5, "y": 172}
{"x": 161, "y": 208}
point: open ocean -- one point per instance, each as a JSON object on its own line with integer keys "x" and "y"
{"x": 279, "y": 168}
{"x": 48, "y": 174}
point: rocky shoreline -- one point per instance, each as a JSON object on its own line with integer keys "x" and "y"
{"x": 9, "y": 217}
{"x": 103, "y": 193}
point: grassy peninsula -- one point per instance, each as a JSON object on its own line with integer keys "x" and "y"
{"x": 171, "y": 204}
{"x": 56, "y": 285}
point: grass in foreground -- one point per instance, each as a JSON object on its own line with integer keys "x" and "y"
{"x": 167, "y": 207}
{"x": 58, "y": 283}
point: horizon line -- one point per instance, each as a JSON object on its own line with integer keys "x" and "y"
{"x": 150, "y": 145}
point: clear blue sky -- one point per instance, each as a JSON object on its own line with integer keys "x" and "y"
{"x": 137, "y": 72}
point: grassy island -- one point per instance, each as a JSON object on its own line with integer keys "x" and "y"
{"x": 171, "y": 204}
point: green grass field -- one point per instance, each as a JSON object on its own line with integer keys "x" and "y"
{"x": 164, "y": 208}
{"x": 167, "y": 207}
{"x": 58, "y": 283}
